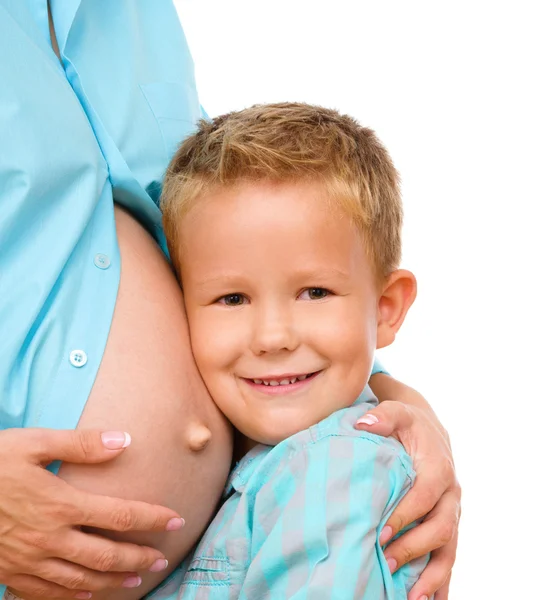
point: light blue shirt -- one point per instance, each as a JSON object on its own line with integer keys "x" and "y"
{"x": 74, "y": 138}
{"x": 302, "y": 520}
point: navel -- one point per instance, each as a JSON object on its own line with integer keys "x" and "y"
{"x": 197, "y": 437}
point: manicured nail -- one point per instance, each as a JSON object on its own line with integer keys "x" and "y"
{"x": 392, "y": 564}
{"x": 385, "y": 535}
{"x": 424, "y": 598}
{"x": 158, "y": 565}
{"x": 114, "y": 440}
{"x": 367, "y": 420}
{"x": 132, "y": 582}
{"x": 175, "y": 524}
{"x": 83, "y": 595}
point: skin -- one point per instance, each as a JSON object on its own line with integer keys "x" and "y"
{"x": 306, "y": 303}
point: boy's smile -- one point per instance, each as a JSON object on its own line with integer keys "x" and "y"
{"x": 282, "y": 305}
{"x": 281, "y": 384}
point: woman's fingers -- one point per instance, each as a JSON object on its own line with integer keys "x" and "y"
{"x": 418, "y": 502}
{"x": 41, "y": 515}
{"x": 75, "y": 577}
{"x": 35, "y": 587}
{"x": 115, "y": 514}
{"x": 387, "y": 419}
{"x": 435, "y": 579}
{"x": 101, "y": 554}
{"x": 442, "y": 593}
{"x": 437, "y": 530}
{"x": 80, "y": 446}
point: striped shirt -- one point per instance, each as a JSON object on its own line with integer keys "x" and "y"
{"x": 302, "y": 520}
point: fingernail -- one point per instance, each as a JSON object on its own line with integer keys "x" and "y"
{"x": 367, "y": 420}
{"x": 132, "y": 582}
{"x": 385, "y": 535}
{"x": 424, "y": 598}
{"x": 114, "y": 440}
{"x": 158, "y": 565}
{"x": 392, "y": 564}
{"x": 83, "y": 595}
{"x": 175, "y": 524}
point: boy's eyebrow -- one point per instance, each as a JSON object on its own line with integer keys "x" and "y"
{"x": 328, "y": 272}
{"x": 307, "y": 273}
{"x": 225, "y": 277}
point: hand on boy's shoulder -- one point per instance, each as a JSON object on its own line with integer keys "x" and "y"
{"x": 338, "y": 433}
{"x": 333, "y": 453}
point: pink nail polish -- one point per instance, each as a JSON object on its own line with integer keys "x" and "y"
{"x": 392, "y": 564}
{"x": 159, "y": 565}
{"x": 175, "y": 524}
{"x": 367, "y": 420}
{"x": 385, "y": 535}
{"x": 115, "y": 440}
{"x": 83, "y": 595}
{"x": 132, "y": 582}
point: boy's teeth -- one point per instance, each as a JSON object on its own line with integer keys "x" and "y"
{"x": 274, "y": 382}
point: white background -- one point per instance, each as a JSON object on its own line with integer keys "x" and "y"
{"x": 462, "y": 93}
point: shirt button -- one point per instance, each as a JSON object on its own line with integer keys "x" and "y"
{"x": 101, "y": 261}
{"x": 78, "y": 358}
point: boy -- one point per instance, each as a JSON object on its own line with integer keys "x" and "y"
{"x": 284, "y": 223}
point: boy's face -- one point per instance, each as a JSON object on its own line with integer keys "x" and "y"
{"x": 281, "y": 305}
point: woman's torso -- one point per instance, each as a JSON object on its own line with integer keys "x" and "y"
{"x": 79, "y": 134}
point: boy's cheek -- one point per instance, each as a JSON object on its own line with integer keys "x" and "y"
{"x": 214, "y": 341}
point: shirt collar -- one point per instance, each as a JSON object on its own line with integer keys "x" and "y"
{"x": 243, "y": 470}
{"x": 63, "y": 16}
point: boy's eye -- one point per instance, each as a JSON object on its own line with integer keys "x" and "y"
{"x": 232, "y": 299}
{"x": 315, "y": 293}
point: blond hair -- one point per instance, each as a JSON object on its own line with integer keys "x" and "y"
{"x": 292, "y": 142}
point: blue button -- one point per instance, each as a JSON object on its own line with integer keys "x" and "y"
{"x": 101, "y": 261}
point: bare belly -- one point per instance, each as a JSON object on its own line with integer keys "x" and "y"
{"x": 148, "y": 385}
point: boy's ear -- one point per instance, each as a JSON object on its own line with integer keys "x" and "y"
{"x": 397, "y": 296}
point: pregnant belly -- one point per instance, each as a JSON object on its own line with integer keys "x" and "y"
{"x": 148, "y": 385}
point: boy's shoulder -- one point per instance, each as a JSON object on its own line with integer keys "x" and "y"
{"x": 333, "y": 443}
{"x": 338, "y": 432}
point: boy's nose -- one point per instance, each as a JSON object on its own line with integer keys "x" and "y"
{"x": 274, "y": 332}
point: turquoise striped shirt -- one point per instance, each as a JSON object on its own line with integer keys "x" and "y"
{"x": 302, "y": 520}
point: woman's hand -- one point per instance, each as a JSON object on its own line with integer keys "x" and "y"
{"x": 43, "y": 553}
{"x": 436, "y": 495}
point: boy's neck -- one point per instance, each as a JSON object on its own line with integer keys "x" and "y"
{"x": 242, "y": 445}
